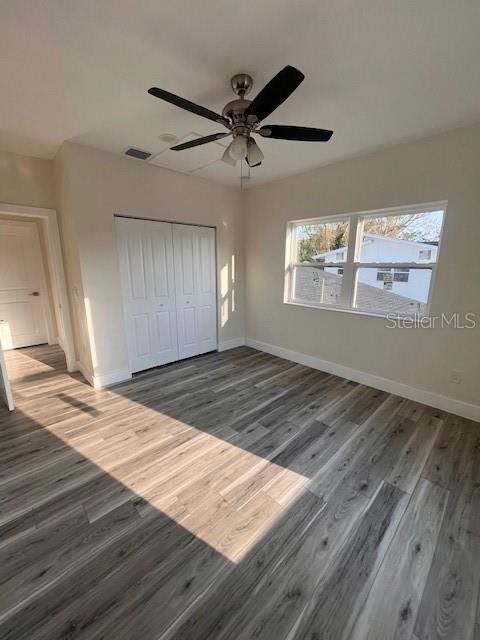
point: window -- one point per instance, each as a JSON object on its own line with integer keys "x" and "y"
{"x": 375, "y": 262}
{"x": 425, "y": 254}
{"x": 391, "y": 275}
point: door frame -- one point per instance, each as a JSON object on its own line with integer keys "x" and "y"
{"x": 49, "y": 223}
{"x": 188, "y": 224}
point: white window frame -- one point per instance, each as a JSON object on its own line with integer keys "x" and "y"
{"x": 352, "y": 263}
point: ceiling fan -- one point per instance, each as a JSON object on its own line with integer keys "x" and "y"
{"x": 242, "y": 117}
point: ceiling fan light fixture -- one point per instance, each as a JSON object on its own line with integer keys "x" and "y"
{"x": 238, "y": 147}
{"x": 254, "y": 155}
{"x": 227, "y": 156}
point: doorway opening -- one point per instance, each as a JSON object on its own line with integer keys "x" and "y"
{"x": 33, "y": 296}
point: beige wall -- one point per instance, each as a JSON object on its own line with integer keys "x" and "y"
{"x": 93, "y": 186}
{"x": 27, "y": 181}
{"x": 68, "y": 234}
{"x": 444, "y": 167}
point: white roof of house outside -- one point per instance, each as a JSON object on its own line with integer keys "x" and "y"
{"x": 374, "y": 236}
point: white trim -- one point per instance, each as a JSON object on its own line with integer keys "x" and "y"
{"x": 355, "y": 312}
{"x": 5, "y": 382}
{"x": 444, "y": 403}
{"x": 231, "y": 344}
{"x": 426, "y": 207}
{"x": 100, "y": 381}
{"x": 112, "y": 377}
{"x": 85, "y": 373}
{"x": 57, "y": 273}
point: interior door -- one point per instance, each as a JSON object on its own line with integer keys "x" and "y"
{"x": 21, "y": 277}
{"x": 195, "y": 283}
{"x": 146, "y": 268}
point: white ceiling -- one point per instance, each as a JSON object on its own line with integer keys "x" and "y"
{"x": 377, "y": 72}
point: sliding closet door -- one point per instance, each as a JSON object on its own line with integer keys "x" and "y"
{"x": 148, "y": 285}
{"x": 194, "y": 252}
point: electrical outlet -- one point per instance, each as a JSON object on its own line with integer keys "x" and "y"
{"x": 456, "y": 377}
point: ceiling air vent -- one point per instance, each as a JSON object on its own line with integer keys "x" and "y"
{"x": 137, "y": 153}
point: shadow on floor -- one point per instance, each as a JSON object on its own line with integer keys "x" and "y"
{"x": 91, "y": 554}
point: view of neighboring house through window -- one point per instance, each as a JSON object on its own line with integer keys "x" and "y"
{"x": 380, "y": 263}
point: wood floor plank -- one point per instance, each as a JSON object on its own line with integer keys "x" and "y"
{"x": 232, "y": 495}
{"x": 414, "y": 454}
{"x": 393, "y": 602}
{"x": 340, "y": 595}
{"x": 448, "y": 607}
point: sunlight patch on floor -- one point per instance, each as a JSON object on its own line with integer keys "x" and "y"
{"x": 225, "y": 495}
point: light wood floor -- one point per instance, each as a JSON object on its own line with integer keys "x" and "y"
{"x": 234, "y": 495}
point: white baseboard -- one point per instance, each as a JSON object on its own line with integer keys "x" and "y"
{"x": 231, "y": 344}
{"x": 99, "y": 381}
{"x": 85, "y": 373}
{"x": 458, "y": 407}
{"x": 112, "y": 377}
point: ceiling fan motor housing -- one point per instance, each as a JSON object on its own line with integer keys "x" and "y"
{"x": 235, "y": 110}
{"x": 241, "y": 84}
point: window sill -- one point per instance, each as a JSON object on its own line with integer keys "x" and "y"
{"x": 370, "y": 314}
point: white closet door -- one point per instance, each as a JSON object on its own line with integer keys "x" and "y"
{"x": 146, "y": 267}
{"x": 194, "y": 251}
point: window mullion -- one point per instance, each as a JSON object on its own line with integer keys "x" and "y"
{"x": 348, "y": 280}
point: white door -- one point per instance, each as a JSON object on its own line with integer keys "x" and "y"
{"x": 21, "y": 286}
{"x": 195, "y": 284}
{"x": 146, "y": 268}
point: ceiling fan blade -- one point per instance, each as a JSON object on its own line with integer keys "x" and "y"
{"x": 274, "y": 93}
{"x": 254, "y": 155}
{"x": 199, "y": 141}
{"x": 187, "y": 105}
{"x": 304, "y": 134}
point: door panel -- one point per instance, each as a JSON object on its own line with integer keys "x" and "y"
{"x": 188, "y": 259}
{"x": 194, "y": 250}
{"x": 143, "y": 345}
{"x": 164, "y": 334}
{"x": 146, "y": 269}
{"x": 204, "y": 323}
{"x": 206, "y": 271}
{"x": 160, "y": 267}
{"x": 190, "y": 335}
{"x": 136, "y": 264}
{"x": 21, "y": 290}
